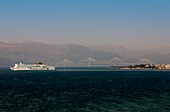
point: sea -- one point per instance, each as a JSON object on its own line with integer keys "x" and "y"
{"x": 85, "y": 90}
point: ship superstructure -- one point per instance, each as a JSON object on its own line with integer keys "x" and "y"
{"x": 36, "y": 66}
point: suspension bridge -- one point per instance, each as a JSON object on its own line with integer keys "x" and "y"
{"x": 90, "y": 61}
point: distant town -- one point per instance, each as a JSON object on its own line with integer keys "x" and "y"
{"x": 145, "y": 66}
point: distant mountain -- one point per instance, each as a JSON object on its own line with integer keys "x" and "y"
{"x": 6, "y": 62}
{"x": 32, "y": 52}
{"x": 118, "y": 49}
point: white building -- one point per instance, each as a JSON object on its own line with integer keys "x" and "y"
{"x": 167, "y": 66}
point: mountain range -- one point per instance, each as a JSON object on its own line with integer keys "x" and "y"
{"x": 32, "y": 52}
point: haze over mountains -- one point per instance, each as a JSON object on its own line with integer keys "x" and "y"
{"x": 32, "y": 52}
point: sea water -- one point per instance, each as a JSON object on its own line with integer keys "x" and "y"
{"x": 85, "y": 90}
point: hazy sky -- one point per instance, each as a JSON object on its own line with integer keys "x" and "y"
{"x": 125, "y": 22}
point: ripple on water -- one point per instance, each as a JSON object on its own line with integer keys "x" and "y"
{"x": 90, "y": 91}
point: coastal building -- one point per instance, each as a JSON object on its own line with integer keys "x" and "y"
{"x": 167, "y": 66}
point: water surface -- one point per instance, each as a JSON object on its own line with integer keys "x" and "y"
{"x": 85, "y": 90}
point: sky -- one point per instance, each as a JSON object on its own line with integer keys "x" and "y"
{"x": 124, "y": 22}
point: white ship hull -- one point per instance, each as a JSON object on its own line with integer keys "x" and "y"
{"x": 15, "y": 69}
